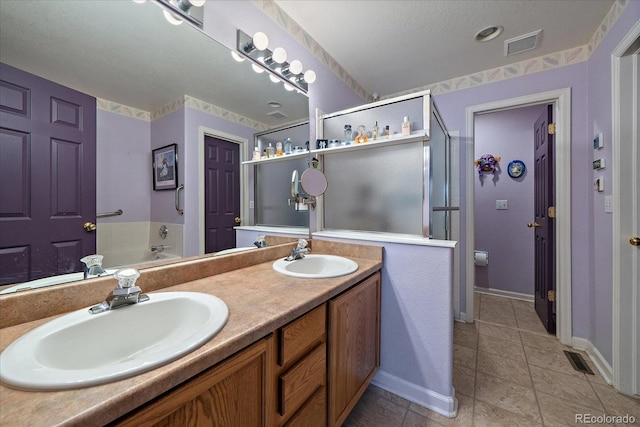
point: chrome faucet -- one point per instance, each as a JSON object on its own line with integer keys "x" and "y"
{"x": 260, "y": 242}
{"x": 127, "y": 293}
{"x": 299, "y": 251}
{"x": 92, "y": 266}
{"x": 158, "y": 248}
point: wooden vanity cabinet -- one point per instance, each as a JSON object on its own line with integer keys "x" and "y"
{"x": 354, "y": 346}
{"x": 231, "y": 393}
{"x": 300, "y": 374}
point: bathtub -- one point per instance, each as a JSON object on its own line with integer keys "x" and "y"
{"x": 111, "y": 263}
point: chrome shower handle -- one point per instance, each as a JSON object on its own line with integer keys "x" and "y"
{"x": 180, "y": 211}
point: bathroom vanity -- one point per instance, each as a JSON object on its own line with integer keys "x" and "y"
{"x": 293, "y": 352}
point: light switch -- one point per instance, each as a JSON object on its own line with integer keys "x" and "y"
{"x": 501, "y": 204}
{"x": 608, "y": 204}
{"x": 250, "y": 204}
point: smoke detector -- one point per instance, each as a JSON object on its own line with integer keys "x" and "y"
{"x": 522, "y": 43}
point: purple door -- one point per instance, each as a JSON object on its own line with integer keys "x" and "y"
{"x": 222, "y": 193}
{"x": 47, "y": 177}
{"x": 544, "y": 224}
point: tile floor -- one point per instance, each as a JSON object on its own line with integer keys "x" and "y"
{"x": 507, "y": 372}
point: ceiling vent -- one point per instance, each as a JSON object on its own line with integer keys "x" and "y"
{"x": 522, "y": 43}
{"x": 277, "y": 114}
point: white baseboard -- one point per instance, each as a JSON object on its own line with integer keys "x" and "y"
{"x": 443, "y": 405}
{"x": 501, "y": 293}
{"x": 596, "y": 357}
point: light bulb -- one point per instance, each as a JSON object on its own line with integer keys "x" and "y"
{"x": 279, "y": 55}
{"x": 260, "y": 40}
{"x": 295, "y": 67}
{"x": 274, "y": 78}
{"x": 309, "y": 76}
{"x": 235, "y": 55}
{"x": 139, "y": 1}
{"x": 171, "y": 18}
{"x": 288, "y": 87}
{"x": 197, "y": 3}
{"x": 257, "y": 68}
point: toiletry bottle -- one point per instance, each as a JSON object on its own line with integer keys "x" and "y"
{"x": 386, "y": 131}
{"x": 348, "y": 134}
{"x": 362, "y": 135}
{"x": 287, "y": 146}
{"x": 374, "y": 131}
{"x": 406, "y": 127}
{"x": 256, "y": 153}
{"x": 279, "y": 149}
{"x": 270, "y": 151}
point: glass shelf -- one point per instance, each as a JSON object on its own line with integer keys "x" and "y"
{"x": 420, "y": 135}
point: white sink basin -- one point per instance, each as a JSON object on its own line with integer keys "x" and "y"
{"x": 316, "y": 266}
{"x": 82, "y": 349}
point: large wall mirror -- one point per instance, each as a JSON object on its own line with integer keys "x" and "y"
{"x": 128, "y": 55}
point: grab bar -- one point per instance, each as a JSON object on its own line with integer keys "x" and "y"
{"x": 106, "y": 214}
{"x": 180, "y": 211}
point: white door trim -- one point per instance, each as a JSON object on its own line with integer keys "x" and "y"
{"x": 624, "y": 334}
{"x": 561, "y": 99}
{"x": 244, "y": 177}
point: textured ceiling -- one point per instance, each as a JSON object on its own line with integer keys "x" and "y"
{"x": 393, "y": 46}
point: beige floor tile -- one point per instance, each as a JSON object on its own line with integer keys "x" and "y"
{"x": 617, "y": 404}
{"x": 554, "y": 360}
{"x": 521, "y": 305}
{"x": 416, "y": 420}
{"x": 564, "y": 412}
{"x": 543, "y": 341}
{"x": 530, "y": 322}
{"x": 498, "y": 331}
{"x": 464, "y": 356}
{"x": 486, "y": 299}
{"x": 565, "y": 387}
{"x": 377, "y": 391}
{"x": 464, "y": 418}
{"x": 502, "y": 347}
{"x": 374, "y": 410}
{"x": 466, "y": 338}
{"x": 507, "y": 395}
{"x": 464, "y": 380}
{"x": 503, "y": 367}
{"x": 486, "y": 415}
{"x": 499, "y": 318}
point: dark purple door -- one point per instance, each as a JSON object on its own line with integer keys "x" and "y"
{"x": 222, "y": 193}
{"x": 47, "y": 177}
{"x": 543, "y": 224}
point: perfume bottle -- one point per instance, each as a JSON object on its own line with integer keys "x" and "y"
{"x": 279, "y": 151}
{"x": 256, "y": 153}
{"x": 362, "y": 135}
{"x": 270, "y": 151}
{"x": 374, "y": 131}
{"x": 287, "y": 146}
{"x": 406, "y": 127}
{"x": 386, "y": 131}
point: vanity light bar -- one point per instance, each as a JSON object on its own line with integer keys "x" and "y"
{"x": 265, "y": 60}
{"x": 191, "y": 11}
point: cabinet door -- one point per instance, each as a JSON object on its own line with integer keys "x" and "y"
{"x": 231, "y": 393}
{"x": 354, "y": 346}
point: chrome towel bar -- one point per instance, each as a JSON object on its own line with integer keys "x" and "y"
{"x": 106, "y": 214}
{"x": 180, "y": 211}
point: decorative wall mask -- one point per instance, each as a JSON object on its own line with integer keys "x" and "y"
{"x": 487, "y": 164}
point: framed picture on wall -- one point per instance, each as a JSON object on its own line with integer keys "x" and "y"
{"x": 165, "y": 167}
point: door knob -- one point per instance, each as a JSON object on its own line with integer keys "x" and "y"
{"x": 635, "y": 241}
{"x": 237, "y": 220}
{"x": 533, "y": 224}
{"x": 89, "y": 226}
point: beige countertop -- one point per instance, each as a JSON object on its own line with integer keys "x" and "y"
{"x": 260, "y": 300}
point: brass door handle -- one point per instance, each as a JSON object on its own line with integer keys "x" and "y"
{"x": 237, "y": 220}
{"x": 533, "y": 224}
{"x": 635, "y": 241}
{"x": 89, "y": 226}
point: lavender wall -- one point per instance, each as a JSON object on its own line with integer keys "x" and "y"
{"x": 502, "y": 233}
{"x": 123, "y": 171}
{"x": 590, "y": 84}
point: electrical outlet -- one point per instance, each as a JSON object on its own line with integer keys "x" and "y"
{"x": 501, "y": 204}
{"x": 608, "y": 204}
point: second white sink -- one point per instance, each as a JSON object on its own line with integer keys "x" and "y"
{"x": 81, "y": 349}
{"x": 316, "y": 266}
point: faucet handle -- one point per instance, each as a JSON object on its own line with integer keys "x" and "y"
{"x": 126, "y": 277}
{"x": 302, "y": 243}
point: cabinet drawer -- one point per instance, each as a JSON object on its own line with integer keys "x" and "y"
{"x": 301, "y": 335}
{"x": 313, "y": 412}
{"x": 302, "y": 380}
